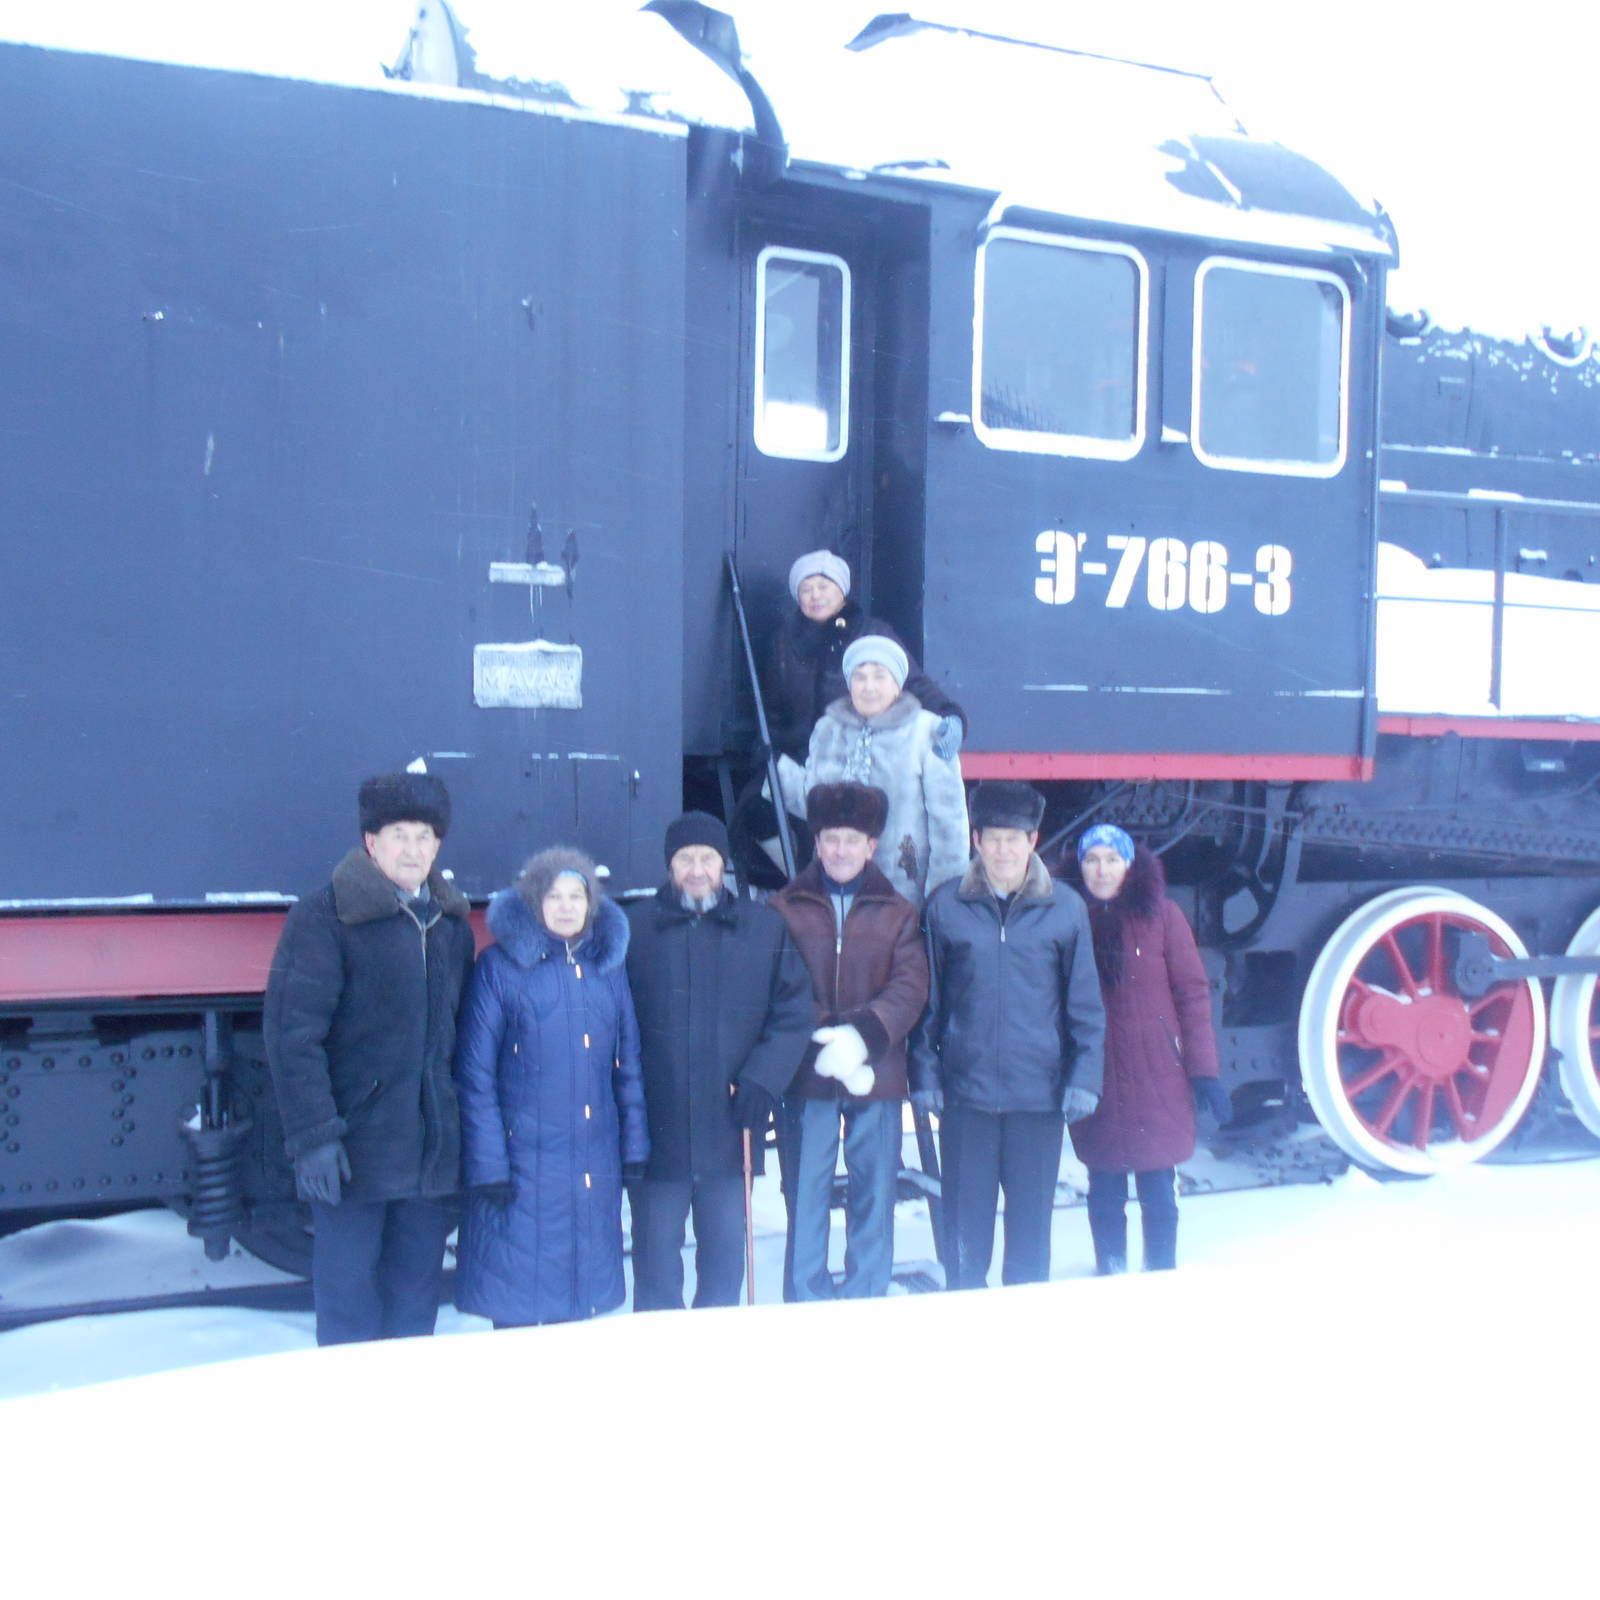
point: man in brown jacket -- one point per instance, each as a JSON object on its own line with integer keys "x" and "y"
{"x": 869, "y": 977}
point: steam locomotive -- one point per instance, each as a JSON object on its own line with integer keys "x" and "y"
{"x": 351, "y": 425}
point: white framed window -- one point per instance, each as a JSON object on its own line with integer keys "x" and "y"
{"x": 1061, "y": 330}
{"x": 802, "y": 402}
{"x": 1271, "y": 368}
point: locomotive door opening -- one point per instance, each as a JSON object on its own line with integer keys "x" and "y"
{"x": 801, "y": 475}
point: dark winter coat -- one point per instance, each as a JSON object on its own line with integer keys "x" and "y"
{"x": 805, "y": 675}
{"x": 873, "y": 975}
{"x": 552, "y": 1101}
{"x": 722, "y": 997}
{"x": 360, "y": 1025}
{"x": 1158, "y": 1028}
{"x": 1014, "y": 1013}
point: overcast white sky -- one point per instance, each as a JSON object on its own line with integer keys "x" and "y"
{"x": 1472, "y": 126}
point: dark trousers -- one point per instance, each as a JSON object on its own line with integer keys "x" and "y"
{"x": 660, "y": 1207}
{"x": 787, "y": 1122}
{"x": 377, "y": 1267}
{"x": 1158, "y": 1213}
{"x": 984, "y": 1153}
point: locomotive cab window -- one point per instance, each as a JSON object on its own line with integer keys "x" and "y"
{"x": 802, "y": 401}
{"x": 1059, "y": 364}
{"x": 1271, "y": 368}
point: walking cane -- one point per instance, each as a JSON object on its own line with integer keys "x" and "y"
{"x": 749, "y": 1228}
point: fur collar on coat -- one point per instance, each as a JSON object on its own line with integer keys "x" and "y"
{"x": 1143, "y": 890}
{"x": 525, "y": 939}
{"x": 361, "y": 893}
{"x": 904, "y": 710}
{"x": 1038, "y": 885}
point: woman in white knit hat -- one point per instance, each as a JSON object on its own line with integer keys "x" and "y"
{"x": 880, "y": 734}
{"x": 805, "y": 672}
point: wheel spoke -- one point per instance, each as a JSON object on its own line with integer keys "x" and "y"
{"x": 1422, "y": 1128}
{"x": 1458, "y": 1112}
{"x": 1436, "y": 954}
{"x": 1375, "y": 1074}
{"x": 1391, "y": 1106}
{"x": 1401, "y": 970}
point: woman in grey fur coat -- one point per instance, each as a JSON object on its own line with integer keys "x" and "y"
{"x": 881, "y": 736}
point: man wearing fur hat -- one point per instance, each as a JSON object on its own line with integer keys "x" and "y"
{"x": 724, "y": 1008}
{"x": 360, "y": 1026}
{"x": 880, "y": 735}
{"x": 805, "y": 674}
{"x": 1011, "y": 1046}
{"x": 869, "y": 981}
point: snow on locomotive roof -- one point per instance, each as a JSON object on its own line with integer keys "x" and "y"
{"x": 1062, "y": 131}
{"x": 555, "y": 60}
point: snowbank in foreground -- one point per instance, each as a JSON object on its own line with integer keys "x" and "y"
{"x": 1370, "y": 1385}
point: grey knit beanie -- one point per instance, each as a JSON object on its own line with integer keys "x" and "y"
{"x": 880, "y": 648}
{"x": 819, "y": 564}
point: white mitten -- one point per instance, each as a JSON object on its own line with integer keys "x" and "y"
{"x": 859, "y": 1080}
{"x": 843, "y": 1051}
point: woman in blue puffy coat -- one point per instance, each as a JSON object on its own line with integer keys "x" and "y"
{"x": 552, "y": 1101}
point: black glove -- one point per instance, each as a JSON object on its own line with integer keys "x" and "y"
{"x": 1211, "y": 1101}
{"x": 632, "y": 1171}
{"x": 1076, "y": 1104}
{"x": 930, "y": 1102}
{"x": 495, "y": 1194}
{"x": 317, "y": 1173}
{"x": 752, "y": 1105}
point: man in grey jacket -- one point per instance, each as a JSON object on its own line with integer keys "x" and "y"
{"x": 1010, "y": 1048}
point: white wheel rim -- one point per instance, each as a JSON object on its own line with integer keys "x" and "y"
{"x": 1574, "y": 1028}
{"x": 1402, "y": 1072}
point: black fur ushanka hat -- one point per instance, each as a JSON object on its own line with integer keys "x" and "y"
{"x": 1005, "y": 803}
{"x": 404, "y": 797}
{"x": 847, "y": 805}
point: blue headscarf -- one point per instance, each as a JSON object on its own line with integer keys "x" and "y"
{"x": 1107, "y": 833}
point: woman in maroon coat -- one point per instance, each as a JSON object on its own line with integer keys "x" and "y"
{"x": 1161, "y": 1053}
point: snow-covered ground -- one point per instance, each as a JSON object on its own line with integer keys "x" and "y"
{"x": 1383, "y": 1388}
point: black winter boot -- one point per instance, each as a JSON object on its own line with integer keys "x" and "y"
{"x": 1160, "y": 1241}
{"x": 1108, "y": 1221}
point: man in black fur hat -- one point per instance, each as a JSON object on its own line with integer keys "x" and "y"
{"x": 360, "y": 1028}
{"x": 869, "y": 981}
{"x": 1011, "y": 1046}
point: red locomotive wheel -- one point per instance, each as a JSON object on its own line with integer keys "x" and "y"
{"x": 1575, "y": 1028}
{"x": 1402, "y": 1070}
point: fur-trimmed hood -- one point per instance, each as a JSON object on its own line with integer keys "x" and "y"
{"x": 1139, "y": 899}
{"x": 361, "y": 893}
{"x": 1037, "y": 885}
{"x": 525, "y": 939}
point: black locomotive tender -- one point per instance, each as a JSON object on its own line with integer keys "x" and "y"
{"x": 348, "y": 427}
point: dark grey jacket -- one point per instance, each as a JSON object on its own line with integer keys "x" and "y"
{"x": 720, "y": 998}
{"x": 1014, "y": 1010}
{"x": 360, "y": 1026}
